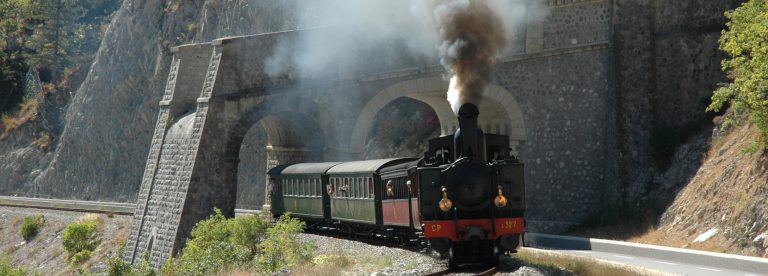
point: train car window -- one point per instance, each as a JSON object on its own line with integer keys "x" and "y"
{"x": 330, "y": 186}
{"x": 403, "y": 188}
{"x": 346, "y": 187}
{"x": 314, "y": 186}
{"x": 358, "y": 194}
{"x": 288, "y": 187}
{"x": 395, "y": 188}
{"x": 360, "y": 188}
{"x": 371, "y": 190}
{"x": 337, "y": 187}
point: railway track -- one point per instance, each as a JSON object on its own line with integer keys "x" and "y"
{"x": 103, "y": 207}
{"x": 448, "y": 271}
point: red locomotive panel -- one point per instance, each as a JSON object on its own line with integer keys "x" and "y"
{"x": 395, "y": 211}
{"x": 447, "y": 228}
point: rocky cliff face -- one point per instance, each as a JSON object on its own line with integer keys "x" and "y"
{"x": 103, "y": 148}
{"x": 728, "y": 193}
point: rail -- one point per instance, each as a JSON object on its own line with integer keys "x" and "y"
{"x": 81, "y": 205}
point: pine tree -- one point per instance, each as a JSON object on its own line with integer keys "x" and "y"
{"x": 55, "y": 35}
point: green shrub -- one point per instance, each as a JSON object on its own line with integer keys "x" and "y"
{"x": 282, "y": 246}
{"x": 218, "y": 243}
{"x": 80, "y": 257}
{"x": 31, "y": 226}
{"x": 81, "y": 238}
{"x": 744, "y": 42}
{"x": 7, "y": 268}
{"x": 117, "y": 267}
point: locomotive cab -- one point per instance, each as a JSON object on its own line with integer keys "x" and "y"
{"x": 472, "y": 196}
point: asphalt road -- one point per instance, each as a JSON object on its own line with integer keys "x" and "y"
{"x": 653, "y": 257}
{"x": 672, "y": 267}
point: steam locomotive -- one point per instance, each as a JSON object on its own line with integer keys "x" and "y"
{"x": 465, "y": 198}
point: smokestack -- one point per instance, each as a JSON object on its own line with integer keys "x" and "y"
{"x": 469, "y": 140}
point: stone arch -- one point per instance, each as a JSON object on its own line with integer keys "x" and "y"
{"x": 286, "y": 119}
{"x": 292, "y": 126}
{"x": 499, "y": 111}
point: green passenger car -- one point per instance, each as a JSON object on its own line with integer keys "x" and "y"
{"x": 300, "y": 189}
{"x": 355, "y": 190}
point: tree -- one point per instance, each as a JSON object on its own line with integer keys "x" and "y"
{"x": 15, "y": 16}
{"x": 56, "y": 33}
{"x": 746, "y": 42}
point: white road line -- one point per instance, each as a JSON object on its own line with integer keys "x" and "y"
{"x": 668, "y": 263}
{"x": 710, "y": 269}
{"x": 622, "y": 256}
{"x": 750, "y": 275}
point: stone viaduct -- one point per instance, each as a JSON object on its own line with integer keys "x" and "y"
{"x": 554, "y": 96}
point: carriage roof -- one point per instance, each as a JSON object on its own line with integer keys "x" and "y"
{"x": 399, "y": 167}
{"x": 302, "y": 168}
{"x": 366, "y": 166}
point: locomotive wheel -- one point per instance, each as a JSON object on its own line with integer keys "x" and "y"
{"x": 494, "y": 261}
{"x": 452, "y": 262}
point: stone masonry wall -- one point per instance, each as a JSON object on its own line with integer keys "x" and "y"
{"x": 667, "y": 65}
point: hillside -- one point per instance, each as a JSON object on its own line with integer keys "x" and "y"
{"x": 729, "y": 193}
{"x": 715, "y": 183}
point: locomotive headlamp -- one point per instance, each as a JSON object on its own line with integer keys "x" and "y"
{"x": 445, "y": 203}
{"x": 500, "y": 199}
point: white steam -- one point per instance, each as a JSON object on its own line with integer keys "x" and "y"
{"x": 355, "y": 35}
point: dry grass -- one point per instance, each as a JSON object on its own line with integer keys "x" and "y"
{"x": 44, "y": 141}
{"x": 27, "y": 111}
{"x": 554, "y": 262}
{"x": 326, "y": 264}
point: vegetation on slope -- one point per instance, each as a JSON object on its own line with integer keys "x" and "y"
{"x": 746, "y": 44}
{"x": 52, "y": 36}
{"x": 81, "y": 238}
{"x": 31, "y": 226}
{"x": 220, "y": 245}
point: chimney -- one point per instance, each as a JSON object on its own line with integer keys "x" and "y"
{"x": 469, "y": 140}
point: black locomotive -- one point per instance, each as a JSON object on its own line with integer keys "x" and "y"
{"x": 465, "y": 198}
